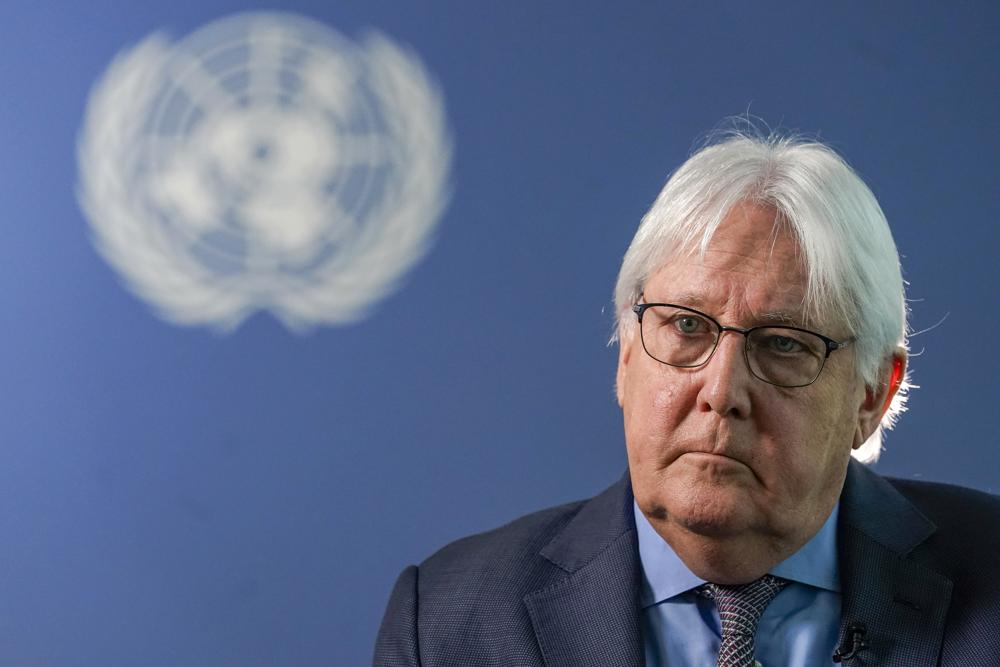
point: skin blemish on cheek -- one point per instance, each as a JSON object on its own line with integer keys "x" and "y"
{"x": 664, "y": 398}
{"x": 657, "y": 512}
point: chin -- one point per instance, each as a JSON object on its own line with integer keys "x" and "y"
{"x": 712, "y": 526}
{"x": 713, "y": 514}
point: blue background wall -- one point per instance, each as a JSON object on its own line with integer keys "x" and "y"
{"x": 171, "y": 496}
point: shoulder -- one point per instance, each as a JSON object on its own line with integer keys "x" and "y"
{"x": 965, "y": 545}
{"x": 530, "y": 551}
{"x": 947, "y": 494}
{"x": 463, "y": 604}
{"x": 469, "y": 595}
{"x": 542, "y": 549}
{"x": 503, "y": 556}
{"x": 959, "y": 513}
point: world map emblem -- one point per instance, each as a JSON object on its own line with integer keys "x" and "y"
{"x": 265, "y": 162}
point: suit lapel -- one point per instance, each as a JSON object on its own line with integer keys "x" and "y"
{"x": 591, "y": 617}
{"x": 901, "y": 603}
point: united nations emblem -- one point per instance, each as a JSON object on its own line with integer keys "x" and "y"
{"x": 265, "y": 162}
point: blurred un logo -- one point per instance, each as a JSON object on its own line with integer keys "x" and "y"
{"x": 265, "y": 162}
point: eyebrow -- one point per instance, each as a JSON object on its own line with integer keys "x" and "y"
{"x": 782, "y": 317}
{"x": 697, "y": 302}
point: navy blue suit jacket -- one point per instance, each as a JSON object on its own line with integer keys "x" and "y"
{"x": 920, "y": 569}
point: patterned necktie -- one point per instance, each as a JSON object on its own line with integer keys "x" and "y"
{"x": 740, "y": 609}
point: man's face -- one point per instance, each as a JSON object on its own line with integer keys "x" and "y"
{"x": 716, "y": 454}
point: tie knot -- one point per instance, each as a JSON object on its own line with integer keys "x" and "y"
{"x": 740, "y": 608}
{"x": 745, "y": 602}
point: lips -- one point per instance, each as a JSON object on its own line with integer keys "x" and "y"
{"x": 716, "y": 461}
{"x": 711, "y": 456}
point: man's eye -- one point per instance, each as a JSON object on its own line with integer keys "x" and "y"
{"x": 688, "y": 325}
{"x": 784, "y": 345}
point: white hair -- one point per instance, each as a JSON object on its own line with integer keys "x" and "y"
{"x": 851, "y": 261}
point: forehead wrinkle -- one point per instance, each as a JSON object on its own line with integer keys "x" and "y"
{"x": 736, "y": 261}
{"x": 698, "y": 301}
{"x": 771, "y": 315}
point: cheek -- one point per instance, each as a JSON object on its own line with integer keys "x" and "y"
{"x": 808, "y": 456}
{"x": 651, "y": 400}
{"x": 653, "y": 411}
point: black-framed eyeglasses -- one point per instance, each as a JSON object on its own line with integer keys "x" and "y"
{"x": 687, "y": 338}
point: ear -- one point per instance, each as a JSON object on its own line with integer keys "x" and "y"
{"x": 624, "y": 354}
{"x": 878, "y": 399}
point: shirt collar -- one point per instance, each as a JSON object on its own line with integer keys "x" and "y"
{"x": 665, "y": 575}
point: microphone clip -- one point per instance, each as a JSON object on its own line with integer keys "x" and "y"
{"x": 854, "y": 641}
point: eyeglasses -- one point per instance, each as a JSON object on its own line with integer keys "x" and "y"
{"x": 779, "y": 355}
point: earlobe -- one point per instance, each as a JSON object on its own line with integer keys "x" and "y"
{"x": 878, "y": 399}
{"x": 895, "y": 381}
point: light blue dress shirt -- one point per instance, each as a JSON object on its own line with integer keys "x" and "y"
{"x": 798, "y": 629}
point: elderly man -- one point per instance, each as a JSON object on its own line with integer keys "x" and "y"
{"x": 762, "y": 333}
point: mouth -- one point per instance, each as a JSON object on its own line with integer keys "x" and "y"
{"x": 716, "y": 462}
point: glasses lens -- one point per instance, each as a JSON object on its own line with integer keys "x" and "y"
{"x": 678, "y": 336}
{"x": 786, "y": 357}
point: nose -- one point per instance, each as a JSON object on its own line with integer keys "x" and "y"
{"x": 725, "y": 379}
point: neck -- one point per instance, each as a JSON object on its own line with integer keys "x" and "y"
{"x": 729, "y": 559}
